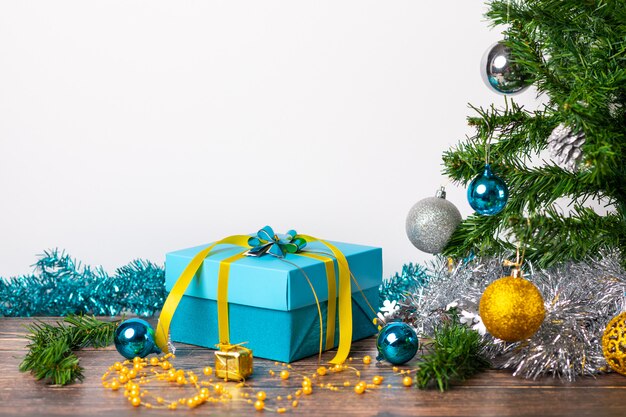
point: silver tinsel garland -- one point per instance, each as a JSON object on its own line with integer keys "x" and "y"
{"x": 580, "y": 299}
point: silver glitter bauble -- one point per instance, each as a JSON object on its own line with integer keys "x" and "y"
{"x": 499, "y": 73}
{"x": 565, "y": 147}
{"x": 431, "y": 222}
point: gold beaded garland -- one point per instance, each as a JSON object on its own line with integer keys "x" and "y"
{"x": 614, "y": 343}
{"x": 512, "y": 309}
{"x": 153, "y": 370}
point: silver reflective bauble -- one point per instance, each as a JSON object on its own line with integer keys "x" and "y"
{"x": 431, "y": 222}
{"x": 499, "y": 73}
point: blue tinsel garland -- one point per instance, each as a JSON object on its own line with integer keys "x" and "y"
{"x": 61, "y": 286}
{"x": 407, "y": 282}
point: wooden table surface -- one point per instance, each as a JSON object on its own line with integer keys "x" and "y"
{"x": 492, "y": 393}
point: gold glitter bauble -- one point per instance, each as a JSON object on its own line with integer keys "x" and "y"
{"x": 512, "y": 309}
{"x": 614, "y": 343}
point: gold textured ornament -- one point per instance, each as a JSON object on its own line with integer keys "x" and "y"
{"x": 614, "y": 343}
{"x": 511, "y": 308}
{"x": 233, "y": 362}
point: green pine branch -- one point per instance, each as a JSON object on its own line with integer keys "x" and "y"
{"x": 456, "y": 356}
{"x": 50, "y": 351}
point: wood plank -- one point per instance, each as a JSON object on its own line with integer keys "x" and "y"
{"x": 492, "y": 393}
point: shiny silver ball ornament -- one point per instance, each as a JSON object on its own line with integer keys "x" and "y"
{"x": 499, "y": 73}
{"x": 431, "y": 222}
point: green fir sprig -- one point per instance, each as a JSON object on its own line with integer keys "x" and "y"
{"x": 50, "y": 354}
{"x": 455, "y": 356}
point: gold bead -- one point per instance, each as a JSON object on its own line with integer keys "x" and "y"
{"x": 321, "y": 370}
{"x": 294, "y": 403}
{"x": 138, "y": 366}
{"x": 367, "y": 359}
{"x": 377, "y": 380}
{"x": 160, "y": 400}
{"x": 134, "y": 393}
{"x": 132, "y": 373}
{"x": 261, "y": 395}
{"x": 359, "y": 388}
{"x": 306, "y": 382}
{"x": 191, "y": 403}
{"x": 123, "y": 370}
{"x": 281, "y": 410}
{"x": 259, "y": 405}
{"x": 173, "y": 406}
{"x": 180, "y": 380}
{"x": 218, "y": 388}
{"x": 115, "y": 385}
{"x": 123, "y": 378}
{"x": 289, "y": 397}
{"x": 154, "y": 361}
{"x": 166, "y": 365}
{"x": 204, "y": 393}
{"x": 279, "y": 398}
{"x": 395, "y": 369}
{"x": 346, "y": 383}
{"x": 207, "y": 370}
{"x": 307, "y": 390}
{"x": 135, "y": 401}
{"x": 298, "y": 393}
{"x": 284, "y": 374}
{"x": 117, "y": 366}
{"x": 407, "y": 381}
{"x": 193, "y": 378}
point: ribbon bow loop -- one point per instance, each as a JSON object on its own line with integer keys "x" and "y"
{"x": 266, "y": 241}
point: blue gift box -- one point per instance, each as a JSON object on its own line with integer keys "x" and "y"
{"x": 270, "y": 303}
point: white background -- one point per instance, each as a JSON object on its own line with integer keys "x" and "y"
{"x": 132, "y": 128}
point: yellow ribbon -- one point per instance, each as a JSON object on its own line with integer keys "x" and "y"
{"x": 345, "y": 301}
{"x": 345, "y": 295}
{"x": 331, "y": 312}
{"x": 176, "y": 294}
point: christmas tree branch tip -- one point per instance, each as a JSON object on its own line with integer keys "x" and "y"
{"x": 456, "y": 356}
{"x": 50, "y": 351}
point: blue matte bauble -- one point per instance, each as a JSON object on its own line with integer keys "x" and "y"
{"x": 487, "y": 193}
{"x": 135, "y": 337}
{"x": 397, "y": 343}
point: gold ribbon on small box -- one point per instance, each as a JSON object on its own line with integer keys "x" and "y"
{"x": 267, "y": 242}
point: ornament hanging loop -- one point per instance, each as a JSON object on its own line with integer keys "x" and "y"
{"x": 516, "y": 267}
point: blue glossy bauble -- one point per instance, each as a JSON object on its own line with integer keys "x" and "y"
{"x": 397, "y": 343}
{"x": 135, "y": 337}
{"x": 487, "y": 193}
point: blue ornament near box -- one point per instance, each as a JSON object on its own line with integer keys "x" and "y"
{"x": 397, "y": 343}
{"x": 487, "y": 193}
{"x": 135, "y": 337}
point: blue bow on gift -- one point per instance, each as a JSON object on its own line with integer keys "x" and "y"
{"x": 266, "y": 241}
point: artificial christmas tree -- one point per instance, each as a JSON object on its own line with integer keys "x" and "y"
{"x": 574, "y": 53}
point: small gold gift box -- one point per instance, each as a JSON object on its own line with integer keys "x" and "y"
{"x": 233, "y": 362}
